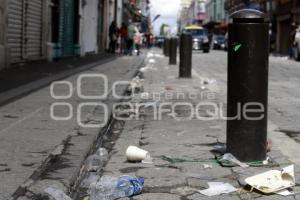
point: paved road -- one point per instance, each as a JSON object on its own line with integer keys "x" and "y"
{"x": 284, "y": 90}
{"x": 27, "y": 132}
{"x": 189, "y": 139}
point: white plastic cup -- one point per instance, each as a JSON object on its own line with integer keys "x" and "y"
{"x": 135, "y": 154}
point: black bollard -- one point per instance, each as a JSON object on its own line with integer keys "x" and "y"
{"x": 167, "y": 41}
{"x": 186, "y": 48}
{"x": 164, "y": 46}
{"x": 248, "y": 65}
{"x": 173, "y": 51}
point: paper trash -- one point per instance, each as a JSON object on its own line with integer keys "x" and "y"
{"x": 218, "y": 188}
{"x": 274, "y": 181}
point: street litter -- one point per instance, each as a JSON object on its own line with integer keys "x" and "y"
{"x": 145, "y": 95}
{"x": 208, "y": 81}
{"x": 152, "y": 61}
{"x": 57, "y": 194}
{"x": 152, "y": 104}
{"x": 230, "y": 158}
{"x": 274, "y": 181}
{"x": 91, "y": 178}
{"x": 206, "y": 166}
{"x": 184, "y": 160}
{"x": 136, "y": 85}
{"x": 158, "y": 55}
{"x": 219, "y": 148}
{"x": 218, "y": 188}
{"x": 135, "y": 154}
{"x": 109, "y": 188}
{"x": 168, "y": 88}
{"x": 94, "y": 162}
{"x": 148, "y": 68}
{"x": 149, "y": 55}
{"x": 103, "y": 153}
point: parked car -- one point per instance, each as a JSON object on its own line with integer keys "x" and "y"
{"x": 219, "y": 42}
{"x": 297, "y": 45}
{"x": 159, "y": 41}
{"x": 200, "y": 37}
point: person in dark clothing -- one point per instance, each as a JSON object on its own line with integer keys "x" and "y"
{"x": 123, "y": 35}
{"x": 113, "y": 36}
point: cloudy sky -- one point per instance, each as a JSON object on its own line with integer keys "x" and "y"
{"x": 168, "y": 9}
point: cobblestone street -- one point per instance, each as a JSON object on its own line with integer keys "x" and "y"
{"x": 56, "y": 154}
{"x": 194, "y": 139}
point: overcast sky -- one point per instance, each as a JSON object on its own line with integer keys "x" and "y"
{"x": 168, "y": 9}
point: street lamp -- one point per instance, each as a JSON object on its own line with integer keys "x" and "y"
{"x": 156, "y": 17}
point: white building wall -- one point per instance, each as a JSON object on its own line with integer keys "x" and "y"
{"x": 89, "y": 26}
{"x": 119, "y": 12}
{"x": 110, "y": 6}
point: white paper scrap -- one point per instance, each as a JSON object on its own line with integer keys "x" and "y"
{"x": 218, "y": 188}
{"x": 285, "y": 193}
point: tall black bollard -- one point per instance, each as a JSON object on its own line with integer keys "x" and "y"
{"x": 164, "y": 46}
{"x": 167, "y": 43}
{"x": 186, "y": 48}
{"x": 248, "y": 63}
{"x": 173, "y": 51}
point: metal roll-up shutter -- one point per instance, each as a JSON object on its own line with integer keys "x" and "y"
{"x": 25, "y": 30}
{"x": 15, "y": 29}
{"x": 33, "y": 29}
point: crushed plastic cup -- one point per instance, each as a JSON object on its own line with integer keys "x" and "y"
{"x": 135, "y": 154}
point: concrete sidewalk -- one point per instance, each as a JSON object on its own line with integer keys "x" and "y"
{"x": 176, "y": 136}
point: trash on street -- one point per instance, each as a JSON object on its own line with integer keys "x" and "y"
{"x": 89, "y": 179}
{"x": 152, "y": 61}
{"x": 148, "y": 68}
{"x": 273, "y": 181}
{"x": 136, "y": 85}
{"x": 152, "y": 104}
{"x": 94, "y": 162}
{"x": 103, "y": 153}
{"x": 230, "y": 158}
{"x": 206, "y": 166}
{"x": 135, "y": 154}
{"x": 218, "y": 188}
{"x": 109, "y": 187}
{"x": 57, "y": 194}
{"x": 169, "y": 88}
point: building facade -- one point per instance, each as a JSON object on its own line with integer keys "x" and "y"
{"x": 2, "y": 35}
{"x": 192, "y": 12}
{"x": 215, "y": 10}
{"x": 53, "y": 29}
{"x": 284, "y": 16}
{"x": 216, "y": 19}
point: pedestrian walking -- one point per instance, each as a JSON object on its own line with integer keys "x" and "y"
{"x": 113, "y": 36}
{"x": 123, "y": 35}
{"x": 293, "y": 41}
{"x": 138, "y": 41}
{"x": 130, "y": 37}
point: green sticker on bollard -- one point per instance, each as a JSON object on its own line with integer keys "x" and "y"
{"x": 237, "y": 47}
